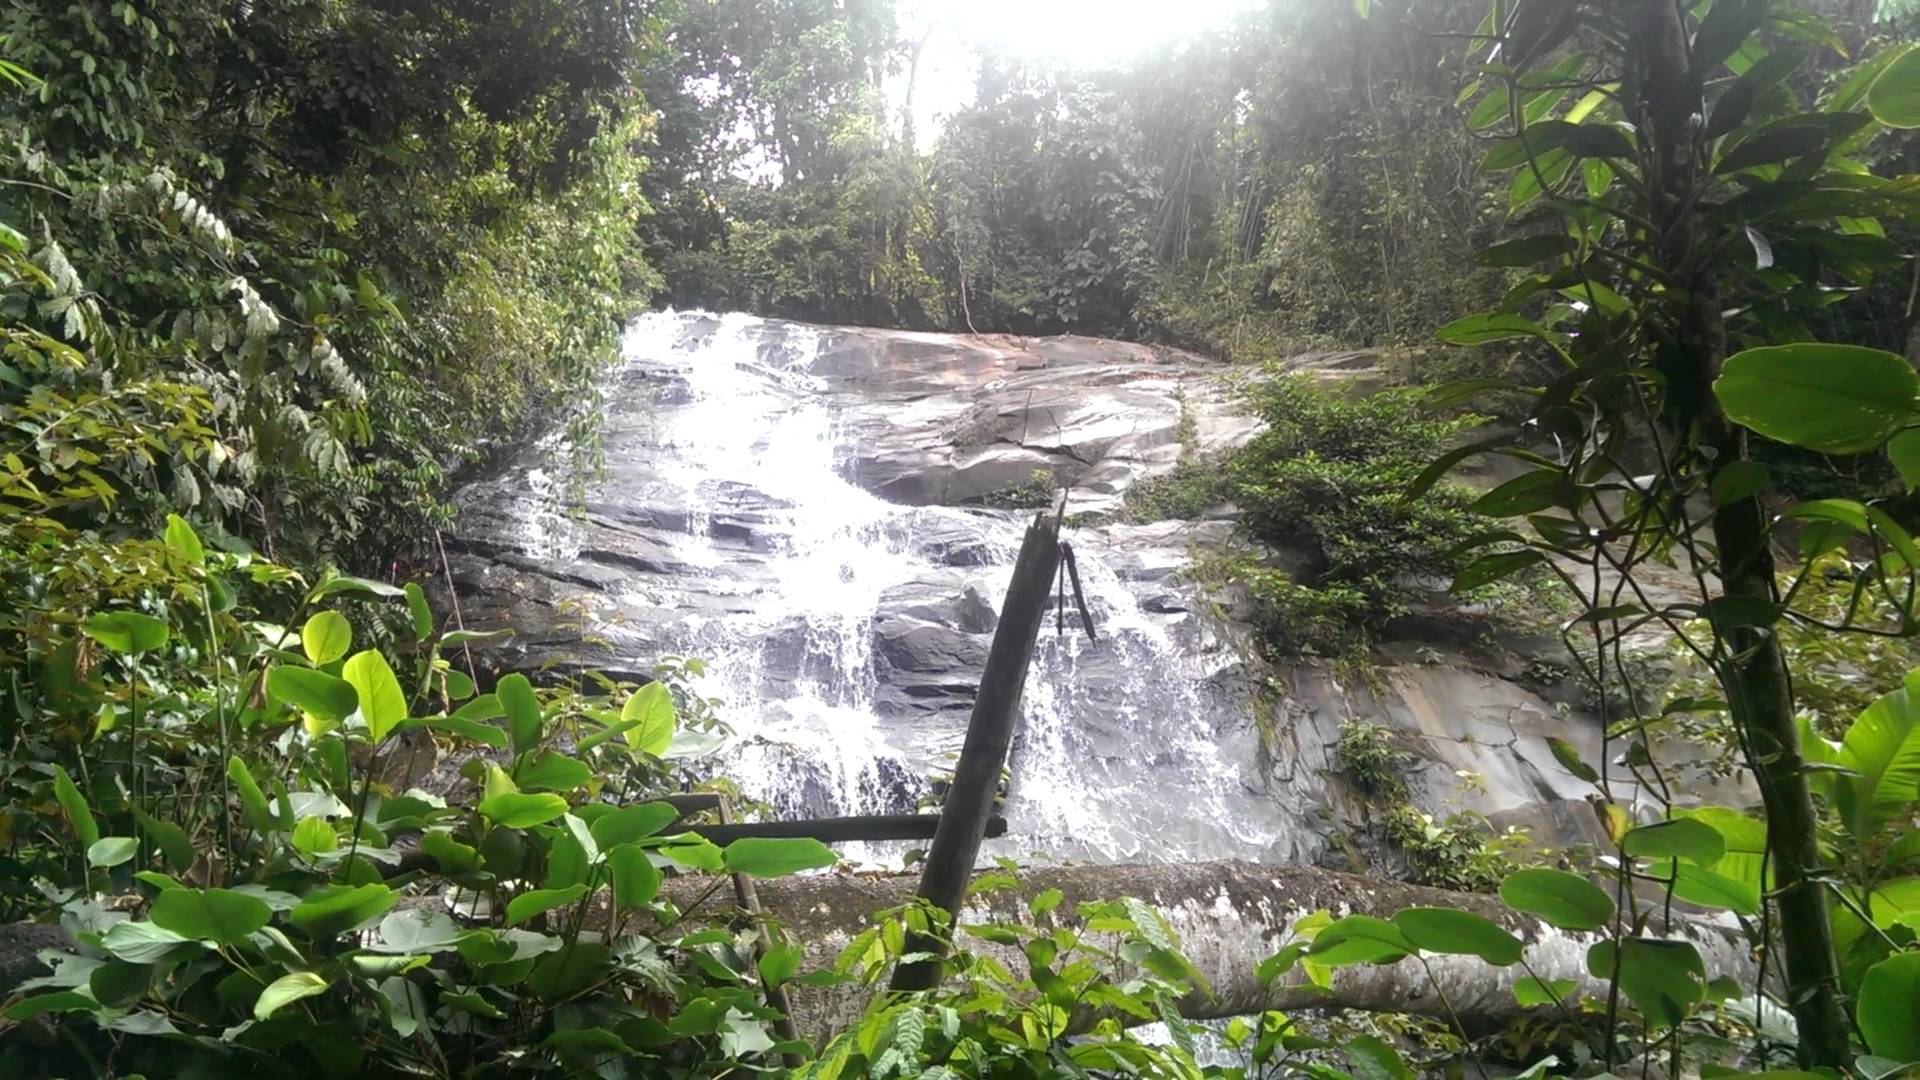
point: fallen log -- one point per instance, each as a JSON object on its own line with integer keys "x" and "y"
{"x": 837, "y": 830}
{"x": 1230, "y": 916}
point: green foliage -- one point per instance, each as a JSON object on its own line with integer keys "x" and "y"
{"x": 1327, "y": 477}
{"x": 1035, "y": 493}
{"x": 294, "y": 935}
{"x": 1461, "y": 851}
{"x": 1368, "y": 755}
{"x": 275, "y": 269}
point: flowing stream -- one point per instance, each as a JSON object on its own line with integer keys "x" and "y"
{"x": 733, "y": 439}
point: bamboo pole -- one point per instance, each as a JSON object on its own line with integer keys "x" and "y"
{"x": 996, "y": 710}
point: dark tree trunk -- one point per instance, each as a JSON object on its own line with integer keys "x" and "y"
{"x": 1753, "y": 674}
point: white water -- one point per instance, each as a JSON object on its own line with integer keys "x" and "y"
{"x": 1120, "y": 757}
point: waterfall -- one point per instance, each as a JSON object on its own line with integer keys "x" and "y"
{"x": 733, "y": 446}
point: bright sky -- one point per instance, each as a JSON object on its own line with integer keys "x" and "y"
{"x": 1082, "y": 33}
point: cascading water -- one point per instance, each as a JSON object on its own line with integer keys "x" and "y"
{"x": 732, "y": 443}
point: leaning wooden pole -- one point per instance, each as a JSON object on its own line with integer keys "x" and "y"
{"x": 996, "y": 709}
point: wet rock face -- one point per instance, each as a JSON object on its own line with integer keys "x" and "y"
{"x": 808, "y": 510}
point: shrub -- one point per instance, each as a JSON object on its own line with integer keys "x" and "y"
{"x": 1328, "y": 475}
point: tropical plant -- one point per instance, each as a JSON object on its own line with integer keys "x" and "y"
{"x": 1674, "y": 190}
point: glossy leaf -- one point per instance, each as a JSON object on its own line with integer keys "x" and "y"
{"x": 74, "y": 804}
{"x": 1882, "y": 749}
{"x": 1894, "y": 100}
{"x": 632, "y": 823}
{"x": 556, "y": 772}
{"x": 522, "y": 710}
{"x": 636, "y": 881}
{"x": 184, "y": 542}
{"x": 111, "y": 851}
{"x": 336, "y": 909}
{"x": 1488, "y": 569}
{"x": 1682, "y": 838}
{"x": 517, "y": 810}
{"x": 129, "y": 633}
{"x": 651, "y": 707}
{"x": 419, "y": 612}
{"x": 383, "y": 705}
{"x": 142, "y": 942}
{"x": 1904, "y": 450}
{"x": 766, "y": 856}
{"x": 1462, "y": 933}
{"x": 540, "y": 901}
{"x": 326, "y": 637}
{"x": 1530, "y": 992}
{"x": 1837, "y": 399}
{"x": 313, "y": 692}
{"x": 1486, "y": 329}
{"x": 1359, "y": 939}
{"x": 221, "y": 916}
{"x": 1664, "y": 979}
{"x": 1565, "y": 900}
{"x": 287, "y": 989}
{"x": 252, "y": 800}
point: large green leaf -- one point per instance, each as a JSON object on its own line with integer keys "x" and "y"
{"x": 336, "y": 909}
{"x": 127, "y": 632}
{"x": 75, "y": 806}
{"x": 326, "y": 637}
{"x": 142, "y": 942}
{"x": 515, "y": 810}
{"x": 635, "y": 879}
{"x": 172, "y": 840}
{"x": 1904, "y": 450}
{"x": 1894, "y": 98}
{"x": 632, "y": 823}
{"x": 651, "y": 707}
{"x": 540, "y": 901}
{"x": 419, "y": 611}
{"x": 1882, "y": 748}
{"x": 183, "y": 541}
{"x": 383, "y": 705}
{"x": 1359, "y": 939}
{"x": 1682, "y": 838}
{"x": 1487, "y": 329}
{"x": 1565, "y": 900}
{"x": 252, "y": 800}
{"x": 1889, "y": 1007}
{"x": 453, "y": 856}
{"x": 1530, "y": 991}
{"x": 1447, "y": 930}
{"x": 1373, "y": 1058}
{"x": 315, "y": 692}
{"x": 111, "y": 851}
{"x": 555, "y": 772}
{"x": 286, "y": 989}
{"x": 766, "y": 856}
{"x": 1743, "y": 856}
{"x": 1837, "y": 399}
{"x": 221, "y": 916}
{"x": 1894, "y": 902}
{"x": 522, "y": 709}
{"x": 1664, "y": 979}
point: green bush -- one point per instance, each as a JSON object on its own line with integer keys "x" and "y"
{"x": 212, "y": 745}
{"x": 1328, "y": 477}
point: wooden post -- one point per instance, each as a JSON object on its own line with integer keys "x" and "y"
{"x": 996, "y": 709}
{"x": 777, "y": 997}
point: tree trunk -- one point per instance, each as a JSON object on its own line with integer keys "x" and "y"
{"x": 1754, "y": 674}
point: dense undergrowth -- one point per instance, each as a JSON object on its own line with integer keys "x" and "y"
{"x": 271, "y": 272}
